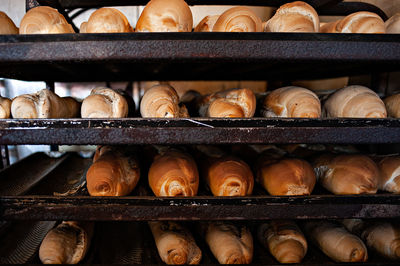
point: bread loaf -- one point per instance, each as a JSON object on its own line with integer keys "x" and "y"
{"x": 294, "y": 17}
{"x": 283, "y": 177}
{"x": 354, "y": 101}
{"x": 106, "y": 20}
{"x": 392, "y": 25}
{"x": 165, "y": 16}
{"x": 284, "y": 240}
{"x": 359, "y": 22}
{"x": 175, "y": 244}
{"x": 292, "y": 102}
{"x": 238, "y": 19}
{"x": 392, "y": 104}
{"x": 44, "y": 20}
{"x": 228, "y": 103}
{"x": 174, "y": 173}
{"x": 162, "y": 101}
{"x": 347, "y": 174}
{"x": 389, "y": 178}
{"x": 44, "y": 104}
{"x": 104, "y": 103}
{"x": 206, "y": 24}
{"x": 5, "y": 107}
{"x": 66, "y": 244}
{"x": 383, "y": 237}
{"x": 230, "y": 244}
{"x": 7, "y": 26}
{"x": 115, "y": 172}
{"x": 336, "y": 242}
{"x": 320, "y": 85}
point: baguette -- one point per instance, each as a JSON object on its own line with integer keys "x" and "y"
{"x": 7, "y": 26}
{"x": 238, "y": 19}
{"x": 389, "y": 178}
{"x": 106, "y": 20}
{"x": 114, "y": 172}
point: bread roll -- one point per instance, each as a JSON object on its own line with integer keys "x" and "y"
{"x": 336, "y": 242}
{"x": 354, "y": 101}
{"x": 162, "y": 101}
{"x": 359, "y": 22}
{"x": 44, "y": 104}
{"x": 230, "y": 244}
{"x": 175, "y": 244}
{"x": 294, "y": 17}
{"x": 347, "y": 174}
{"x": 7, "y": 26}
{"x": 392, "y": 25}
{"x": 165, "y": 16}
{"x": 44, "y": 20}
{"x": 5, "y": 107}
{"x": 104, "y": 103}
{"x": 115, "y": 172}
{"x": 392, "y": 104}
{"x": 320, "y": 85}
{"x": 174, "y": 173}
{"x": 229, "y": 103}
{"x": 229, "y": 176}
{"x": 383, "y": 237}
{"x": 285, "y": 177}
{"x": 66, "y": 244}
{"x": 206, "y": 24}
{"x": 238, "y": 19}
{"x": 106, "y": 20}
{"x": 292, "y": 102}
{"x": 284, "y": 239}
{"x": 389, "y": 178}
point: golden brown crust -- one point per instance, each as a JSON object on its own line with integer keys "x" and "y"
{"x": 389, "y": 178}
{"x": 392, "y": 104}
{"x": 206, "y": 24}
{"x": 392, "y": 25}
{"x": 7, "y": 26}
{"x": 5, "y": 107}
{"x": 318, "y": 85}
{"x": 160, "y": 101}
{"x": 238, "y": 19}
{"x": 361, "y": 22}
{"x": 106, "y": 20}
{"x": 165, "y": 16}
{"x": 173, "y": 174}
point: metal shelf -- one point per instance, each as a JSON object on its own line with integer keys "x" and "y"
{"x": 191, "y": 56}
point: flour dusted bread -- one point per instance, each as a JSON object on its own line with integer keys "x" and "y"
{"x": 206, "y": 24}
{"x": 165, "y": 16}
{"x": 7, "y": 26}
{"x": 104, "y": 103}
{"x": 175, "y": 244}
{"x": 238, "y": 19}
{"x": 336, "y": 242}
{"x": 67, "y": 243}
{"x": 392, "y": 25}
{"x": 358, "y": 22}
{"x": 292, "y": 102}
{"x": 106, "y": 20}
{"x": 44, "y": 104}
{"x": 284, "y": 239}
{"x": 44, "y": 20}
{"x": 294, "y": 17}
{"x": 173, "y": 173}
{"x": 383, "y": 237}
{"x": 5, "y": 107}
{"x": 115, "y": 172}
{"x": 389, "y": 178}
{"x": 347, "y": 174}
{"x": 392, "y": 104}
{"x": 355, "y": 101}
{"x": 230, "y": 244}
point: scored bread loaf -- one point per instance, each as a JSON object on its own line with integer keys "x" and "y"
{"x": 358, "y": 22}
{"x": 106, "y": 20}
{"x": 104, "y": 103}
{"x": 44, "y": 104}
{"x": 392, "y": 25}
{"x": 389, "y": 178}
{"x": 115, "y": 172}
{"x": 354, "y": 101}
{"x": 392, "y": 104}
{"x": 44, "y": 20}
{"x": 238, "y": 19}
{"x": 165, "y": 16}
{"x": 294, "y": 17}
{"x": 230, "y": 244}
{"x": 175, "y": 244}
{"x": 292, "y": 102}
{"x": 383, "y": 237}
{"x": 284, "y": 239}
{"x": 347, "y": 174}
{"x": 7, "y": 26}
{"x": 336, "y": 242}
{"x": 67, "y": 243}
{"x": 206, "y": 24}
{"x": 285, "y": 176}
{"x": 5, "y": 107}
{"x": 173, "y": 173}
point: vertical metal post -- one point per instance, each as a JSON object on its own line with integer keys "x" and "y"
{"x": 50, "y": 85}
{"x": 5, "y": 158}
